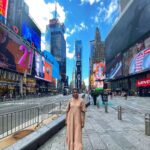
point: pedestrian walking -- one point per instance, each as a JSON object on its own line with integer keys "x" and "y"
{"x": 125, "y": 95}
{"x": 75, "y": 118}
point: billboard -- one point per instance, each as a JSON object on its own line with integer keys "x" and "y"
{"x": 114, "y": 68}
{"x": 129, "y": 55}
{"x": 3, "y": 8}
{"x": 14, "y": 54}
{"x": 55, "y": 66}
{"x": 99, "y": 71}
{"x": 31, "y": 33}
{"x": 143, "y": 82}
{"x": 140, "y": 62}
{"x": 39, "y": 66}
{"x": 47, "y": 72}
{"x": 43, "y": 69}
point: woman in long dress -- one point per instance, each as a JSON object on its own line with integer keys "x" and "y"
{"x": 75, "y": 118}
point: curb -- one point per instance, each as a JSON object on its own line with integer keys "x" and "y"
{"x": 34, "y": 140}
{"x": 39, "y": 137}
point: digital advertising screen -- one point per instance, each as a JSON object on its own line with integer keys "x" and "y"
{"x": 114, "y": 68}
{"x": 99, "y": 74}
{"x": 31, "y": 33}
{"x": 99, "y": 84}
{"x": 99, "y": 71}
{"x": 43, "y": 69}
{"x": 55, "y": 66}
{"x": 128, "y": 57}
{"x": 3, "y": 8}
{"x": 140, "y": 62}
{"x": 14, "y": 54}
{"x": 47, "y": 72}
{"x": 39, "y": 65}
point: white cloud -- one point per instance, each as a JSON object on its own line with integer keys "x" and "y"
{"x": 96, "y": 19}
{"x": 83, "y": 26}
{"x": 69, "y": 54}
{"x": 86, "y": 81}
{"x": 43, "y": 43}
{"x": 42, "y": 17}
{"x": 106, "y": 14}
{"x": 113, "y": 7}
{"x": 42, "y": 12}
{"x": 91, "y": 2}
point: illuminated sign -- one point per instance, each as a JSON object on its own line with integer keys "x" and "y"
{"x": 140, "y": 62}
{"x": 143, "y": 82}
{"x": 3, "y": 8}
{"x": 14, "y": 54}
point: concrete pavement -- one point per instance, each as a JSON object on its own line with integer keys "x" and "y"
{"x": 103, "y": 131}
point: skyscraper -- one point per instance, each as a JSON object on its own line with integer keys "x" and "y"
{"x": 96, "y": 54}
{"x": 78, "y": 55}
{"x": 56, "y": 42}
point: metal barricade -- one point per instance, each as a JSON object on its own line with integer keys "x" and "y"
{"x": 147, "y": 124}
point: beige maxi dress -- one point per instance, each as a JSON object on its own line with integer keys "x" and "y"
{"x": 75, "y": 121}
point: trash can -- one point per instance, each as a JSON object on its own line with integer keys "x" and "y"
{"x": 147, "y": 124}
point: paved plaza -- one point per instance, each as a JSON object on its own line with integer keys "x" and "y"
{"x": 103, "y": 131}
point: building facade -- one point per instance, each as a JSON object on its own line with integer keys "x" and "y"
{"x": 78, "y": 71}
{"x": 128, "y": 50}
{"x": 97, "y": 62}
{"x": 123, "y": 4}
{"x": 56, "y": 42}
{"x": 15, "y": 13}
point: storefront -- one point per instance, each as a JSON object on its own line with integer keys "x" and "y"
{"x": 29, "y": 85}
{"x": 143, "y": 86}
{"x": 9, "y": 83}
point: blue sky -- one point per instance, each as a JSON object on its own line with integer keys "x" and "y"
{"x": 80, "y": 17}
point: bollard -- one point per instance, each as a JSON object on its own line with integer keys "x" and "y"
{"x": 60, "y": 107}
{"x": 147, "y": 124}
{"x": 106, "y": 107}
{"x": 119, "y": 113}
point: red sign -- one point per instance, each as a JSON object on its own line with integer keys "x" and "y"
{"x": 3, "y": 7}
{"x": 47, "y": 72}
{"x": 143, "y": 82}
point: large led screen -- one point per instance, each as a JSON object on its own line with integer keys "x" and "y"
{"x": 43, "y": 69}
{"x": 14, "y": 54}
{"x": 55, "y": 66}
{"x": 31, "y": 33}
{"x": 99, "y": 71}
{"x": 140, "y": 62}
{"x": 114, "y": 68}
{"x": 3, "y": 8}
{"x": 99, "y": 74}
{"x": 47, "y": 72}
{"x": 39, "y": 65}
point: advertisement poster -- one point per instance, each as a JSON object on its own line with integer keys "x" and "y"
{"x": 3, "y": 8}
{"x": 43, "y": 69}
{"x": 114, "y": 68}
{"x": 99, "y": 72}
{"x": 140, "y": 62}
{"x": 47, "y": 72}
{"x": 129, "y": 55}
{"x": 39, "y": 65}
{"x": 31, "y": 32}
{"x": 14, "y": 54}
